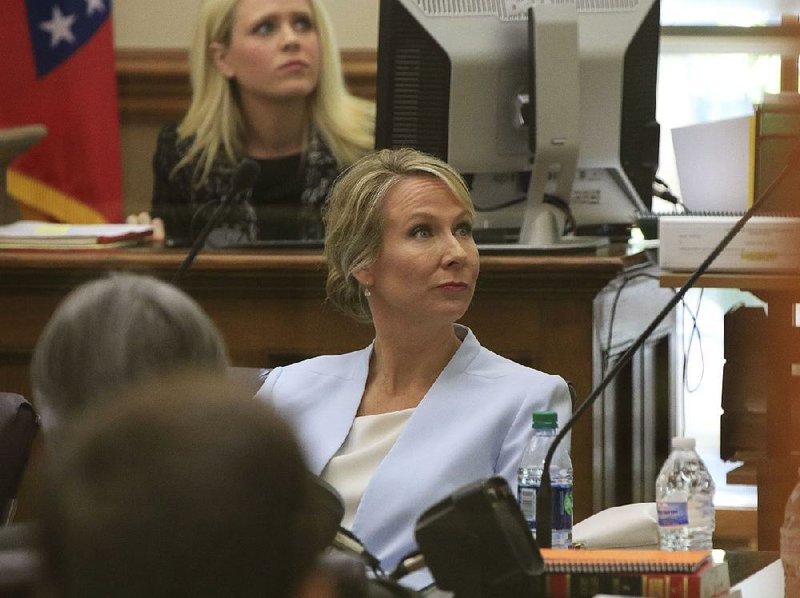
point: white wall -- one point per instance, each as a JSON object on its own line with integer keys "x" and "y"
{"x": 170, "y": 23}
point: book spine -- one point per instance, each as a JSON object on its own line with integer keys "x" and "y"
{"x": 650, "y": 585}
{"x": 671, "y": 585}
{"x": 586, "y": 585}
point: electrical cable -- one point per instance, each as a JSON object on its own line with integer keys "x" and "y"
{"x": 501, "y": 205}
{"x": 606, "y": 351}
{"x": 413, "y": 561}
{"x": 347, "y": 541}
{"x": 695, "y": 331}
{"x": 662, "y": 189}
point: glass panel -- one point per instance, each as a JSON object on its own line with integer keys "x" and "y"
{"x": 742, "y": 13}
{"x": 697, "y": 88}
{"x": 702, "y": 394}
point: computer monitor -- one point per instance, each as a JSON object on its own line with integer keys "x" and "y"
{"x": 452, "y": 81}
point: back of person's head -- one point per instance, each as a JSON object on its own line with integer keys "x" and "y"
{"x": 353, "y": 216}
{"x": 215, "y": 118}
{"x": 188, "y": 487}
{"x": 112, "y": 332}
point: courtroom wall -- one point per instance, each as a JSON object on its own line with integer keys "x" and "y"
{"x": 170, "y": 23}
{"x": 155, "y": 25}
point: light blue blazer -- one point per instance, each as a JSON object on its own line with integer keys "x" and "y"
{"x": 473, "y": 423}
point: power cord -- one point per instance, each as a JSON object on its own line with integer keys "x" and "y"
{"x": 413, "y": 561}
{"x": 695, "y": 331}
{"x": 501, "y": 205}
{"x": 662, "y": 190}
{"x": 687, "y": 310}
{"x": 606, "y": 351}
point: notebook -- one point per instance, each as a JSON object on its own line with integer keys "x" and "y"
{"x": 613, "y": 560}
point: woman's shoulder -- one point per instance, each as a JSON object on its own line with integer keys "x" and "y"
{"x": 345, "y": 365}
{"x": 489, "y": 364}
{"x": 171, "y": 149}
{"x": 170, "y": 141}
{"x": 168, "y": 132}
{"x": 167, "y": 153}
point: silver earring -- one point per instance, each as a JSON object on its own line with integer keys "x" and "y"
{"x": 367, "y": 293}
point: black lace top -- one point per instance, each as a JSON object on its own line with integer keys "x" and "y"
{"x": 284, "y": 204}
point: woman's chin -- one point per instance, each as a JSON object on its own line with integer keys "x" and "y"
{"x": 292, "y": 90}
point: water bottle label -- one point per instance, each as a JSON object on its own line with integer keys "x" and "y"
{"x": 562, "y": 505}
{"x": 672, "y": 513}
{"x": 526, "y": 495}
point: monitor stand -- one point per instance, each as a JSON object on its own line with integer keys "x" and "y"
{"x": 541, "y": 234}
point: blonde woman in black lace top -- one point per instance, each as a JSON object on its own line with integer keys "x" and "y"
{"x": 267, "y": 84}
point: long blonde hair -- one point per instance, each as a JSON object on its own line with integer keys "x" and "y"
{"x": 215, "y": 119}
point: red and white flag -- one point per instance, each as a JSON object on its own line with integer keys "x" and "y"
{"x": 58, "y": 70}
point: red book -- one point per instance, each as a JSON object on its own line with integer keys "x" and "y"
{"x": 710, "y": 581}
{"x": 650, "y": 573}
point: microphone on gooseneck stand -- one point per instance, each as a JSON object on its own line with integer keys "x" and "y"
{"x": 244, "y": 177}
{"x": 346, "y": 561}
{"x": 544, "y": 497}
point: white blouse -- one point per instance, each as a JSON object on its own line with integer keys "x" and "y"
{"x": 370, "y": 439}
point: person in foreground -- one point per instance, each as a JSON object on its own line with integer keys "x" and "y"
{"x": 113, "y": 332}
{"x": 185, "y": 487}
{"x": 424, "y": 409}
{"x": 267, "y": 84}
{"x": 104, "y": 336}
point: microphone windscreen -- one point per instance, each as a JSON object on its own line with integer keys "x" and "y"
{"x": 327, "y": 508}
{"x": 244, "y": 177}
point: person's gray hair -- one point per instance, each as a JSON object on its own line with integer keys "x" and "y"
{"x": 112, "y": 332}
{"x": 353, "y": 217}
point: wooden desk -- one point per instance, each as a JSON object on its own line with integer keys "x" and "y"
{"x": 756, "y": 574}
{"x": 742, "y": 564}
{"x": 777, "y": 473}
{"x": 270, "y": 307}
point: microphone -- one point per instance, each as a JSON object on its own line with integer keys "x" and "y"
{"x": 347, "y": 557}
{"x": 345, "y": 541}
{"x": 477, "y": 544}
{"x": 244, "y": 177}
{"x": 544, "y": 497}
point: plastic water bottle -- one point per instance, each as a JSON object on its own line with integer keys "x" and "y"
{"x": 790, "y": 544}
{"x": 529, "y": 478}
{"x": 685, "y": 499}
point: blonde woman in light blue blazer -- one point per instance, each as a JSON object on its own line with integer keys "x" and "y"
{"x": 424, "y": 409}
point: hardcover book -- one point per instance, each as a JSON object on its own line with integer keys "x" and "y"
{"x": 712, "y": 580}
{"x": 649, "y": 573}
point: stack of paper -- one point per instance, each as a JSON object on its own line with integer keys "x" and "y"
{"x": 765, "y": 243}
{"x": 47, "y": 235}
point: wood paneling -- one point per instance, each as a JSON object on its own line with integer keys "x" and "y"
{"x": 736, "y": 529}
{"x": 270, "y": 308}
{"x": 154, "y": 84}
